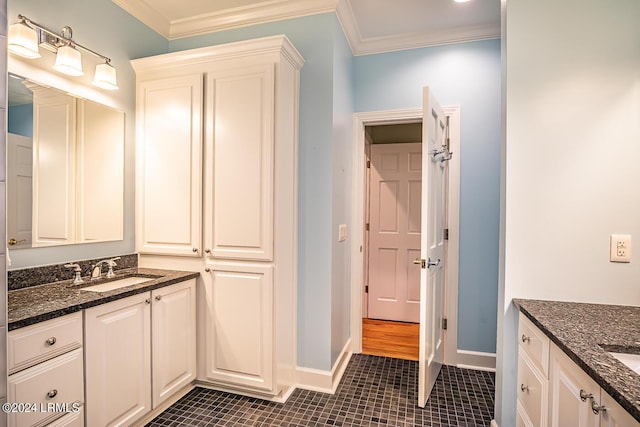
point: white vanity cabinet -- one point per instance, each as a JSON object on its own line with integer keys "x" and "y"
{"x": 248, "y": 103}
{"x": 45, "y": 363}
{"x": 553, "y": 390}
{"x": 120, "y": 379}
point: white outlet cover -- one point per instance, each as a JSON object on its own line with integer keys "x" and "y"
{"x": 620, "y": 248}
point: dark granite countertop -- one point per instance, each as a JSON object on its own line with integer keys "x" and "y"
{"x": 38, "y": 303}
{"x": 582, "y": 330}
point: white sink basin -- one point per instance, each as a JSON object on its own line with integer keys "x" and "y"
{"x": 631, "y": 360}
{"x": 117, "y": 284}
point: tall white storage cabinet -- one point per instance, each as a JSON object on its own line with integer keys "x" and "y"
{"x": 217, "y": 161}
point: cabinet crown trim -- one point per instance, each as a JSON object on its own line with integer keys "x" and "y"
{"x": 272, "y": 44}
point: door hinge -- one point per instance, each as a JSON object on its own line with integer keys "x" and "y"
{"x": 366, "y": 227}
{"x": 446, "y": 234}
{"x": 444, "y": 323}
{"x": 368, "y": 164}
{"x": 366, "y": 289}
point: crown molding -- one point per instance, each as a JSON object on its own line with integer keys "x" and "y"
{"x": 147, "y": 15}
{"x": 368, "y": 46}
{"x": 276, "y": 10}
{"x": 268, "y": 11}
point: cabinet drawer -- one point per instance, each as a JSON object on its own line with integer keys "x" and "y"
{"x": 75, "y": 419}
{"x": 33, "y": 344}
{"x": 534, "y": 343}
{"x": 58, "y": 381}
{"x": 532, "y": 390}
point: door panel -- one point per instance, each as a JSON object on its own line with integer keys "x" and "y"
{"x": 239, "y": 326}
{"x": 395, "y": 209}
{"x": 173, "y": 321}
{"x": 170, "y": 166}
{"x": 432, "y": 245}
{"x": 118, "y": 361}
{"x": 241, "y": 104}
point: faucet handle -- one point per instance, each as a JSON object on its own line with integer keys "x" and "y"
{"x": 111, "y": 263}
{"x": 75, "y": 267}
{"x": 78, "y": 273}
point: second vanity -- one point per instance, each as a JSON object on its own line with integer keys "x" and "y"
{"x": 76, "y": 353}
{"x": 569, "y": 371}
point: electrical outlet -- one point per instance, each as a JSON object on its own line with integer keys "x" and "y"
{"x": 342, "y": 232}
{"x": 620, "y": 250}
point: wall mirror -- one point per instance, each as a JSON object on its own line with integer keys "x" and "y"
{"x": 65, "y": 168}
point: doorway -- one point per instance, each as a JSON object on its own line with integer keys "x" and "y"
{"x": 391, "y": 315}
{"x": 359, "y": 304}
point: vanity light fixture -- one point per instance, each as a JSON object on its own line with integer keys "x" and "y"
{"x": 23, "y": 40}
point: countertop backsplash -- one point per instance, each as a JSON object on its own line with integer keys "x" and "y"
{"x": 33, "y": 276}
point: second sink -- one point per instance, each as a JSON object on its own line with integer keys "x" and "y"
{"x": 117, "y": 284}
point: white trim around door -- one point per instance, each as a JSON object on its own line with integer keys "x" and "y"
{"x": 357, "y": 223}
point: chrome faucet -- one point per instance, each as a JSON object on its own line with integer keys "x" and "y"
{"x": 78, "y": 273}
{"x": 96, "y": 269}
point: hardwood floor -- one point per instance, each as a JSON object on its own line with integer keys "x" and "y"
{"x": 391, "y": 339}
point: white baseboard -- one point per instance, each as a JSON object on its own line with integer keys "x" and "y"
{"x": 325, "y": 381}
{"x": 476, "y": 360}
{"x": 494, "y": 423}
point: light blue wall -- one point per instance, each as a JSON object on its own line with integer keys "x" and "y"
{"x": 312, "y": 36}
{"x": 104, "y": 27}
{"x": 20, "y": 120}
{"x": 467, "y": 75}
{"x": 342, "y": 161}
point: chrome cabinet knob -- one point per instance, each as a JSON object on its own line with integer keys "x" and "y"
{"x": 194, "y": 250}
{"x": 207, "y": 251}
{"x": 208, "y": 270}
{"x": 584, "y": 395}
{"x": 597, "y": 408}
{"x": 524, "y": 388}
{"x": 52, "y": 393}
{"x": 525, "y": 338}
{"x": 147, "y": 301}
{"x": 158, "y": 297}
{"x": 51, "y": 341}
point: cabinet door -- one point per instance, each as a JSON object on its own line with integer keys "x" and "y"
{"x": 169, "y": 169}
{"x": 118, "y": 361}
{"x": 173, "y": 325}
{"x": 567, "y": 384}
{"x": 615, "y": 415}
{"x": 239, "y": 327}
{"x": 240, "y": 145}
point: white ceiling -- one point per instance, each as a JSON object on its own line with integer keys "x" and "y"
{"x": 371, "y": 26}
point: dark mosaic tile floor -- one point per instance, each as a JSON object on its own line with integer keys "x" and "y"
{"x": 374, "y": 391}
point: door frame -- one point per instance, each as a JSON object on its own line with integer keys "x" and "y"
{"x": 360, "y": 120}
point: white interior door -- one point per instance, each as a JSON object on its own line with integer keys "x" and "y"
{"x": 19, "y": 194}
{"x": 395, "y": 198}
{"x": 432, "y": 245}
